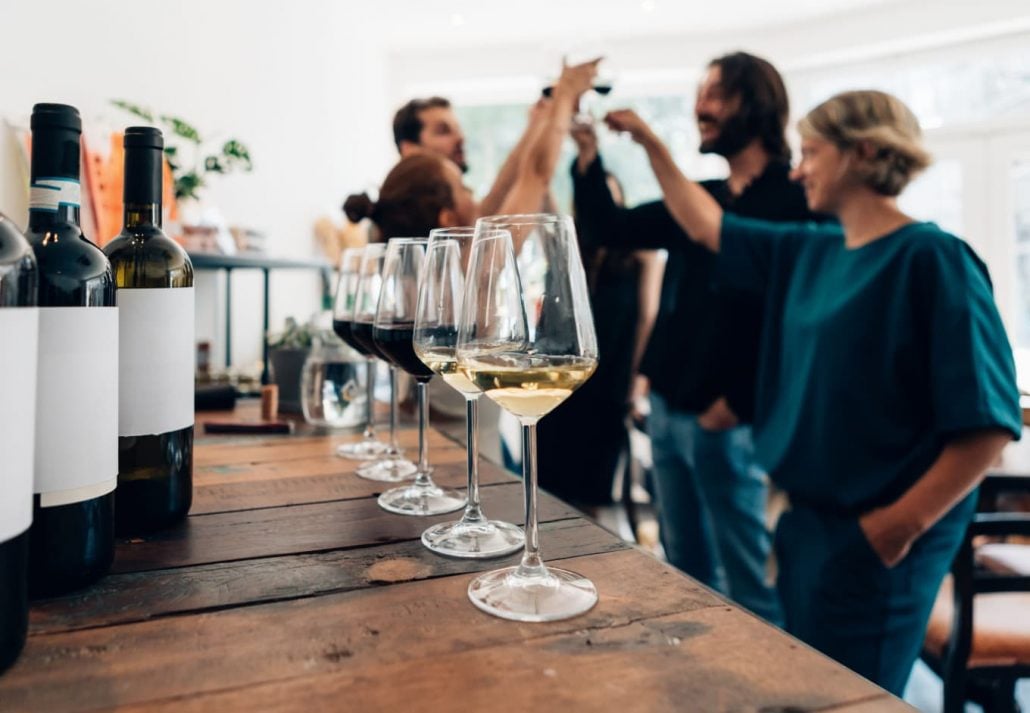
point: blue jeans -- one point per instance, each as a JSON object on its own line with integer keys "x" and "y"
{"x": 839, "y": 598}
{"x": 711, "y": 499}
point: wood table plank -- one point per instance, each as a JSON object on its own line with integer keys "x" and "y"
{"x": 139, "y": 596}
{"x": 709, "y": 659}
{"x": 884, "y": 703}
{"x": 184, "y": 655}
{"x": 316, "y": 527}
{"x": 311, "y": 480}
{"x": 420, "y": 646}
{"x": 263, "y": 449}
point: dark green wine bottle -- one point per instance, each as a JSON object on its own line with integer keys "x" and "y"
{"x": 154, "y": 281}
{"x": 19, "y": 327}
{"x": 71, "y": 541}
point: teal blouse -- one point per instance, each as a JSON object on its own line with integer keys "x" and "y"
{"x": 872, "y": 358}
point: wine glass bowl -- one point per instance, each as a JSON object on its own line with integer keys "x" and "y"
{"x": 526, "y": 339}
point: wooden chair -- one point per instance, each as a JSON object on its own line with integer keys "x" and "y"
{"x": 978, "y": 639}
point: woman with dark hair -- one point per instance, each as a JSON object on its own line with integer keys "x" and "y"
{"x": 422, "y": 192}
{"x": 886, "y": 384}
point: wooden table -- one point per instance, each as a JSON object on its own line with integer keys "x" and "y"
{"x": 288, "y": 589}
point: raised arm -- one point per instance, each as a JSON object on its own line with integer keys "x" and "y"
{"x": 536, "y": 167}
{"x": 692, "y": 206}
{"x": 491, "y": 203}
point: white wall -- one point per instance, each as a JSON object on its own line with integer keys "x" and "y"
{"x": 299, "y": 82}
{"x": 665, "y": 61}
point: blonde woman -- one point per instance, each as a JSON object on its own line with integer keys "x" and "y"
{"x": 886, "y": 383}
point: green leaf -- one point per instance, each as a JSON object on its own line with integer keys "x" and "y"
{"x": 213, "y": 164}
{"x": 234, "y": 155}
{"x": 182, "y": 129}
{"x": 238, "y": 153}
{"x": 187, "y": 184}
{"x": 134, "y": 109}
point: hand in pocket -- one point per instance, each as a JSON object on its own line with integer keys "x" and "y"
{"x": 887, "y": 536}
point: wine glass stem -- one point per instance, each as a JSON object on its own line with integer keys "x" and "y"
{"x": 531, "y": 565}
{"x": 370, "y": 385}
{"x": 472, "y": 512}
{"x": 422, "y": 477}
{"x": 394, "y": 447}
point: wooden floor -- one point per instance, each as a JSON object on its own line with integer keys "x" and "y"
{"x": 288, "y": 589}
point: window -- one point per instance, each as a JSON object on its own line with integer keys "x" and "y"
{"x": 492, "y": 131}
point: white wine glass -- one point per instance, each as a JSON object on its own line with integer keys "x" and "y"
{"x": 436, "y": 339}
{"x": 343, "y": 322}
{"x": 393, "y": 333}
{"x": 526, "y": 339}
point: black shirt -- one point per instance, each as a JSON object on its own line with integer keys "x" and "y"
{"x": 704, "y": 343}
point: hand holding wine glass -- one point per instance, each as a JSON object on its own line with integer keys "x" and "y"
{"x": 576, "y": 79}
{"x": 628, "y": 121}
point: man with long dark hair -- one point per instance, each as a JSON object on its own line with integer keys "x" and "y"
{"x": 701, "y": 359}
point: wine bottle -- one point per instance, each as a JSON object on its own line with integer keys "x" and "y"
{"x": 154, "y": 291}
{"x": 19, "y": 325}
{"x": 71, "y": 541}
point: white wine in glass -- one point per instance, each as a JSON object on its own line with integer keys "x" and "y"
{"x": 526, "y": 340}
{"x": 528, "y": 386}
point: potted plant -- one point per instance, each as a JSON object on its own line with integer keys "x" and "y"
{"x": 192, "y": 160}
{"x": 287, "y": 351}
{"x": 191, "y": 167}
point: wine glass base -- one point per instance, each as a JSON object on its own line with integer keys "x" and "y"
{"x": 391, "y": 470}
{"x": 363, "y": 450}
{"x": 480, "y": 540}
{"x": 559, "y": 594}
{"x": 421, "y": 500}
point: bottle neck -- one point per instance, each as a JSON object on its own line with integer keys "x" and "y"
{"x": 39, "y": 220}
{"x": 142, "y": 215}
{"x": 54, "y": 189}
{"x": 141, "y": 194}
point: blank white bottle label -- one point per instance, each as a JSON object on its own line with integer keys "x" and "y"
{"x": 19, "y": 335}
{"x": 77, "y": 404}
{"x": 156, "y": 342}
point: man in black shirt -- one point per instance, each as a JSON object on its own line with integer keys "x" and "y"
{"x": 701, "y": 359}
